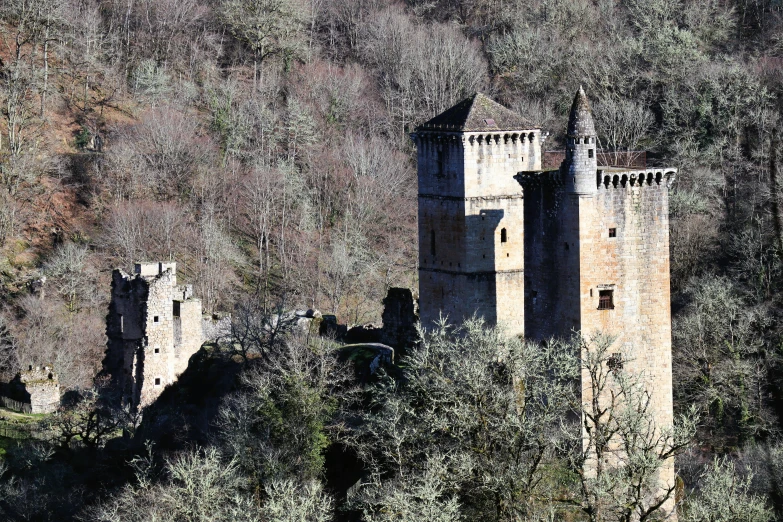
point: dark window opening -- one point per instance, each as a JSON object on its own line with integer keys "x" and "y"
{"x": 432, "y": 242}
{"x": 589, "y": 153}
{"x": 612, "y": 232}
{"x": 176, "y": 309}
{"x": 591, "y": 292}
{"x": 615, "y": 362}
{"x": 156, "y": 319}
{"x": 605, "y": 300}
{"x": 508, "y": 255}
{"x": 534, "y": 293}
{"x": 503, "y": 235}
{"x": 565, "y": 245}
{"x": 157, "y": 381}
{"x": 157, "y": 350}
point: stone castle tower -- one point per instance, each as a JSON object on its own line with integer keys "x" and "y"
{"x": 153, "y": 328}
{"x": 585, "y": 247}
{"x": 470, "y": 212}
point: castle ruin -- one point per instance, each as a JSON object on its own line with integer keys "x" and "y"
{"x": 545, "y": 253}
{"x": 153, "y": 328}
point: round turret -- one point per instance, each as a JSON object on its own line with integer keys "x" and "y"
{"x": 580, "y": 163}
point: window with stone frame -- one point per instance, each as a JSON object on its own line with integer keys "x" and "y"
{"x": 606, "y": 300}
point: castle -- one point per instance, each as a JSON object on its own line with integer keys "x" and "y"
{"x": 153, "y": 328}
{"x": 545, "y": 253}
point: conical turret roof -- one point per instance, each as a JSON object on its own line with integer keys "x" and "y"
{"x": 477, "y": 114}
{"x": 580, "y": 121}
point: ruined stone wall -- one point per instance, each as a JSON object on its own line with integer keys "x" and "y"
{"x": 142, "y": 356}
{"x": 43, "y": 388}
{"x": 157, "y": 355}
{"x": 400, "y": 318}
{"x": 191, "y": 337}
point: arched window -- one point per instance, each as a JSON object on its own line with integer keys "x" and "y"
{"x": 503, "y": 236}
{"x": 432, "y": 242}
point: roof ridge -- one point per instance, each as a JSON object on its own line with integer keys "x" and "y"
{"x": 477, "y": 112}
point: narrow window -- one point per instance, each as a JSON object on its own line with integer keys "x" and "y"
{"x": 503, "y": 236}
{"x": 156, "y": 319}
{"x": 432, "y": 242}
{"x": 612, "y": 232}
{"x": 605, "y": 300}
{"x": 589, "y": 153}
{"x": 591, "y": 292}
{"x": 175, "y": 311}
{"x": 122, "y": 324}
{"x": 157, "y": 350}
{"x": 157, "y": 381}
{"x": 565, "y": 245}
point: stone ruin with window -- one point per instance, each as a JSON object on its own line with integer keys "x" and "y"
{"x": 34, "y": 390}
{"x": 154, "y": 326}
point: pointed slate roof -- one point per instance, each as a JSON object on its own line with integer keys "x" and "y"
{"x": 476, "y": 114}
{"x": 580, "y": 121}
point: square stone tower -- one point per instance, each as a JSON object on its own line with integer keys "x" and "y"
{"x": 470, "y": 212}
{"x": 153, "y": 328}
{"x": 597, "y": 259}
{"x": 588, "y": 251}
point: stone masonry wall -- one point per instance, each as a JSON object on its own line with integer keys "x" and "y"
{"x": 148, "y": 347}
{"x": 571, "y": 257}
{"x": 43, "y": 387}
{"x": 192, "y": 336}
{"x": 471, "y": 229}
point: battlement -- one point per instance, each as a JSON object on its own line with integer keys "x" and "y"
{"x": 40, "y": 374}
{"x": 608, "y": 178}
{"x": 613, "y": 177}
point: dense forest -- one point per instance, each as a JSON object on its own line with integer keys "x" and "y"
{"x": 263, "y": 145}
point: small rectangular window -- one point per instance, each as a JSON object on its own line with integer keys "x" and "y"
{"x": 176, "y": 309}
{"x": 605, "y": 300}
{"x": 156, "y": 319}
{"x": 503, "y": 235}
{"x": 157, "y": 350}
{"x": 157, "y": 381}
{"x": 612, "y": 232}
{"x": 589, "y": 153}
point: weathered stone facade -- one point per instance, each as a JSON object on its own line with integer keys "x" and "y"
{"x": 586, "y": 248}
{"x": 41, "y": 389}
{"x": 470, "y": 212}
{"x": 154, "y": 326}
{"x": 400, "y": 318}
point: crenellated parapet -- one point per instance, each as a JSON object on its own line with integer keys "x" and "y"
{"x": 614, "y": 178}
{"x": 545, "y": 178}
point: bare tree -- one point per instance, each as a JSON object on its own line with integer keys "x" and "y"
{"x": 267, "y": 27}
{"x": 625, "y": 450}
